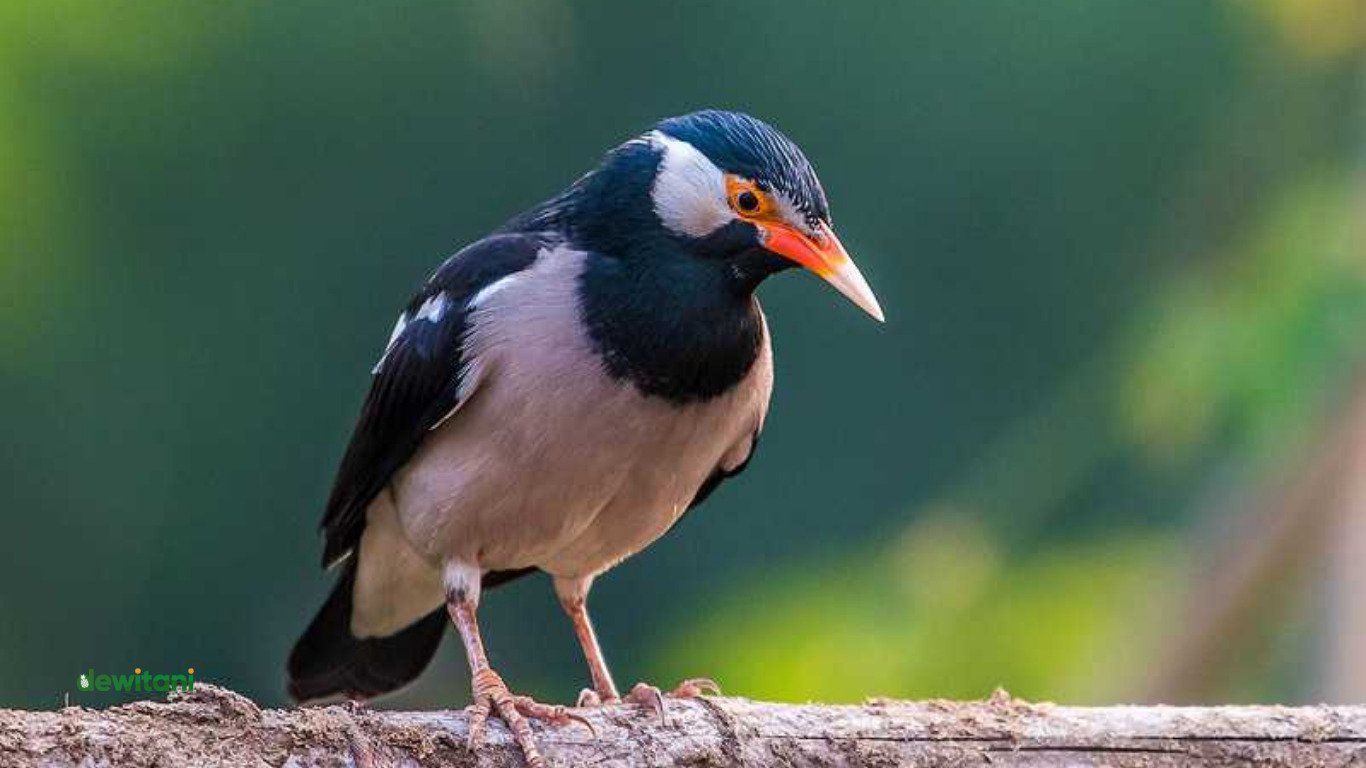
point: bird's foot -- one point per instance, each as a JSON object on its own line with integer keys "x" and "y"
{"x": 650, "y": 696}
{"x": 491, "y": 696}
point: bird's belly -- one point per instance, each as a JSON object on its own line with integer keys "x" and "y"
{"x": 569, "y": 484}
{"x": 660, "y": 481}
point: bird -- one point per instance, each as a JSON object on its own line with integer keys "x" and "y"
{"x": 555, "y": 397}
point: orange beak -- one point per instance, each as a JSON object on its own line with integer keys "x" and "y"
{"x": 824, "y": 255}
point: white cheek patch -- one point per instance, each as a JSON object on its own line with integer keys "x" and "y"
{"x": 690, "y": 191}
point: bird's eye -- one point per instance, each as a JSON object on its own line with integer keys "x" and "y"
{"x": 748, "y": 198}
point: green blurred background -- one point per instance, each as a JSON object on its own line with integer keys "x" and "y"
{"x": 1109, "y": 446}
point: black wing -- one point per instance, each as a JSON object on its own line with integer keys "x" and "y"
{"x": 417, "y": 382}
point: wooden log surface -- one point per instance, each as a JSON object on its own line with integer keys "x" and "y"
{"x": 214, "y": 726}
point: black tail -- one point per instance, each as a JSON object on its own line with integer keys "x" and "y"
{"x": 329, "y": 661}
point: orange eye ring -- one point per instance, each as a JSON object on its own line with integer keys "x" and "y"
{"x": 748, "y": 200}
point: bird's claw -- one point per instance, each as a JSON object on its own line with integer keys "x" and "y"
{"x": 491, "y": 695}
{"x": 555, "y": 714}
{"x": 650, "y": 696}
{"x": 590, "y": 698}
{"x": 696, "y": 686}
{"x": 647, "y": 695}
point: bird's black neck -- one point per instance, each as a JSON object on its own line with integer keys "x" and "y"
{"x": 676, "y": 317}
{"x": 678, "y": 329}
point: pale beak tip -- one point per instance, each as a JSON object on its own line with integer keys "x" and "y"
{"x": 849, "y": 281}
{"x": 868, "y": 303}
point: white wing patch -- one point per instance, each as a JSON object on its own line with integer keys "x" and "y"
{"x": 398, "y": 329}
{"x": 393, "y": 337}
{"x": 432, "y": 310}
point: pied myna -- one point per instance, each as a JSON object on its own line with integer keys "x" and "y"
{"x": 557, "y": 395}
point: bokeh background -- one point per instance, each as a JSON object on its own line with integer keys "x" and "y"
{"x": 1109, "y": 446}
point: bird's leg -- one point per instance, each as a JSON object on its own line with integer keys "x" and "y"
{"x": 490, "y": 693}
{"x": 573, "y": 594}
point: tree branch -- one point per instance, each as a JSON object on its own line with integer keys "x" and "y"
{"x": 213, "y": 726}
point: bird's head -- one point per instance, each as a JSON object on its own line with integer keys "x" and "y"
{"x": 728, "y": 188}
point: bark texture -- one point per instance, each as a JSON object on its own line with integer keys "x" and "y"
{"x": 213, "y": 726}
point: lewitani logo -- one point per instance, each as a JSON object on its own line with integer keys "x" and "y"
{"x": 138, "y": 682}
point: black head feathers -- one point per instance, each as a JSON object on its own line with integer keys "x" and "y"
{"x": 744, "y": 145}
